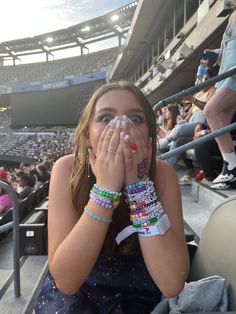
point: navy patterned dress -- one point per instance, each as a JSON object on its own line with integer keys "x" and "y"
{"x": 119, "y": 284}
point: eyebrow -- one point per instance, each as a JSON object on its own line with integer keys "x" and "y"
{"x": 112, "y": 110}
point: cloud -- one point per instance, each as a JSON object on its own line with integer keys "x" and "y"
{"x": 27, "y": 18}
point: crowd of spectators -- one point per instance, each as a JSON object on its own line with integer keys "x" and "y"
{"x": 58, "y": 69}
{"x": 24, "y": 179}
{"x": 36, "y": 145}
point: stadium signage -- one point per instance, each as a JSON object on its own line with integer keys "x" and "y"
{"x": 55, "y": 85}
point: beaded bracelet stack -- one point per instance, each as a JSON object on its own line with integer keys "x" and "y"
{"x": 144, "y": 206}
{"x": 104, "y": 197}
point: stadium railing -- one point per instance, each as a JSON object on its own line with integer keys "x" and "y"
{"x": 29, "y": 238}
{"x": 191, "y": 91}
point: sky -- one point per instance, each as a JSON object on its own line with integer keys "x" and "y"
{"x": 26, "y": 18}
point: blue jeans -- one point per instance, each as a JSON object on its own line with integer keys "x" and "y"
{"x": 180, "y": 130}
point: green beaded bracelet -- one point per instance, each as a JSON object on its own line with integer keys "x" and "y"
{"x": 96, "y": 217}
{"x": 145, "y": 224}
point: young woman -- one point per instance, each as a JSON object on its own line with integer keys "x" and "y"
{"x": 123, "y": 195}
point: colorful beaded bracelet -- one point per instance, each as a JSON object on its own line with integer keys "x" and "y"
{"x": 100, "y": 201}
{"x": 145, "y": 224}
{"x": 96, "y": 217}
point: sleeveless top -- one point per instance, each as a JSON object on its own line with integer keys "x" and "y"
{"x": 119, "y": 284}
{"x": 227, "y": 56}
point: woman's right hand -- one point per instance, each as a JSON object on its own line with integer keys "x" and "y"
{"x": 108, "y": 164}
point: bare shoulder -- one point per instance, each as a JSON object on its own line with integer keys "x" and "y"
{"x": 66, "y": 160}
{"x": 64, "y": 164}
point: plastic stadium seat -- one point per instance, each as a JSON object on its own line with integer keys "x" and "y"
{"x": 216, "y": 253}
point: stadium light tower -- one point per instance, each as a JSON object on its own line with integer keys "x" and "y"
{"x": 85, "y": 29}
{"x": 114, "y": 17}
{"x": 49, "y": 40}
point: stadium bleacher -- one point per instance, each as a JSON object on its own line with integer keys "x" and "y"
{"x": 57, "y": 70}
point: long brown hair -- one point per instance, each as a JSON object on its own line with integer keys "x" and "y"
{"x": 174, "y": 112}
{"x": 80, "y": 184}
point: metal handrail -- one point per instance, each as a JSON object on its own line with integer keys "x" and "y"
{"x": 199, "y": 141}
{"x": 192, "y": 90}
{"x": 16, "y": 236}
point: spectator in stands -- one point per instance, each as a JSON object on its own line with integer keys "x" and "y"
{"x": 171, "y": 118}
{"x": 89, "y": 271}
{"x": 3, "y": 174}
{"x": 159, "y": 118}
{"x": 48, "y": 165}
{"x": 154, "y": 69}
{"x": 183, "y": 133}
{"x": 27, "y": 184}
{"x": 221, "y": 107}
{"x": 182, "y": 130}
{"x": 34, "y": 174}
{"x": 5, "y": 200}
{"x": 44, "y": 175}
{"x": 202, "y": 72}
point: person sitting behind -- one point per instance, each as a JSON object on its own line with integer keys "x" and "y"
{"x": 27, "y": 184}
{"x": 5, "y": 200}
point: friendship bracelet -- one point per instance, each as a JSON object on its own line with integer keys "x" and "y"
{"x": 101, "y": 201}
{"x": 106, "y": 192}
{"x": 145, "y": 224}
{"x": 96, "y": 217}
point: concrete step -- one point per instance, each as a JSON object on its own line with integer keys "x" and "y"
{"x": 32, "y": 270}
{"x": 199, "y": 201}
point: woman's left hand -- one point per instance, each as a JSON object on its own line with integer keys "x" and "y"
{"x": 137, "y": 155}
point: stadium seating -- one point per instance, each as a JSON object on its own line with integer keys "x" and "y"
{"x": 56, "y": 70}
{"x": 26, "y": 206}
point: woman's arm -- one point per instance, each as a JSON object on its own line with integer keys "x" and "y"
{"x": 74, "y": 244}
{"x": 160, "y": 132}
{"x": 166, "y": 256}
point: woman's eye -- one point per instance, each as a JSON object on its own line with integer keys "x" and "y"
{"x": 136, "y": 119}
{"x": 104, "y": 119}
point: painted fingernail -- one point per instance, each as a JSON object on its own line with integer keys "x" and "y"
{"x": 122, "y": 135}
{"x": 124, "y": 124}
{"x": 116, "y": 119}
{"x": 126, "y": 119}
{"x": 126, "y": 138}
{"x": 118, "y": 123}
{"x": 111, "y": 122}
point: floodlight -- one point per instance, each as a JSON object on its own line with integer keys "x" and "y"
{"x": 85, "y": 29}
{"x": 114, "y": 17}
{"x": 49, "y": 39}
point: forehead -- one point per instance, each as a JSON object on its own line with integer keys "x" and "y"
{"x": 118, "y": 100}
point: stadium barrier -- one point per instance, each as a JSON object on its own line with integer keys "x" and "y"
{"x": 191, "y": 91}
{"x": 11, "y": 220}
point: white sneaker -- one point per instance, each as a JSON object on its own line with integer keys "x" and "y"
{"x": 185, "y": 180}
{"x": 226, "y": 175}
